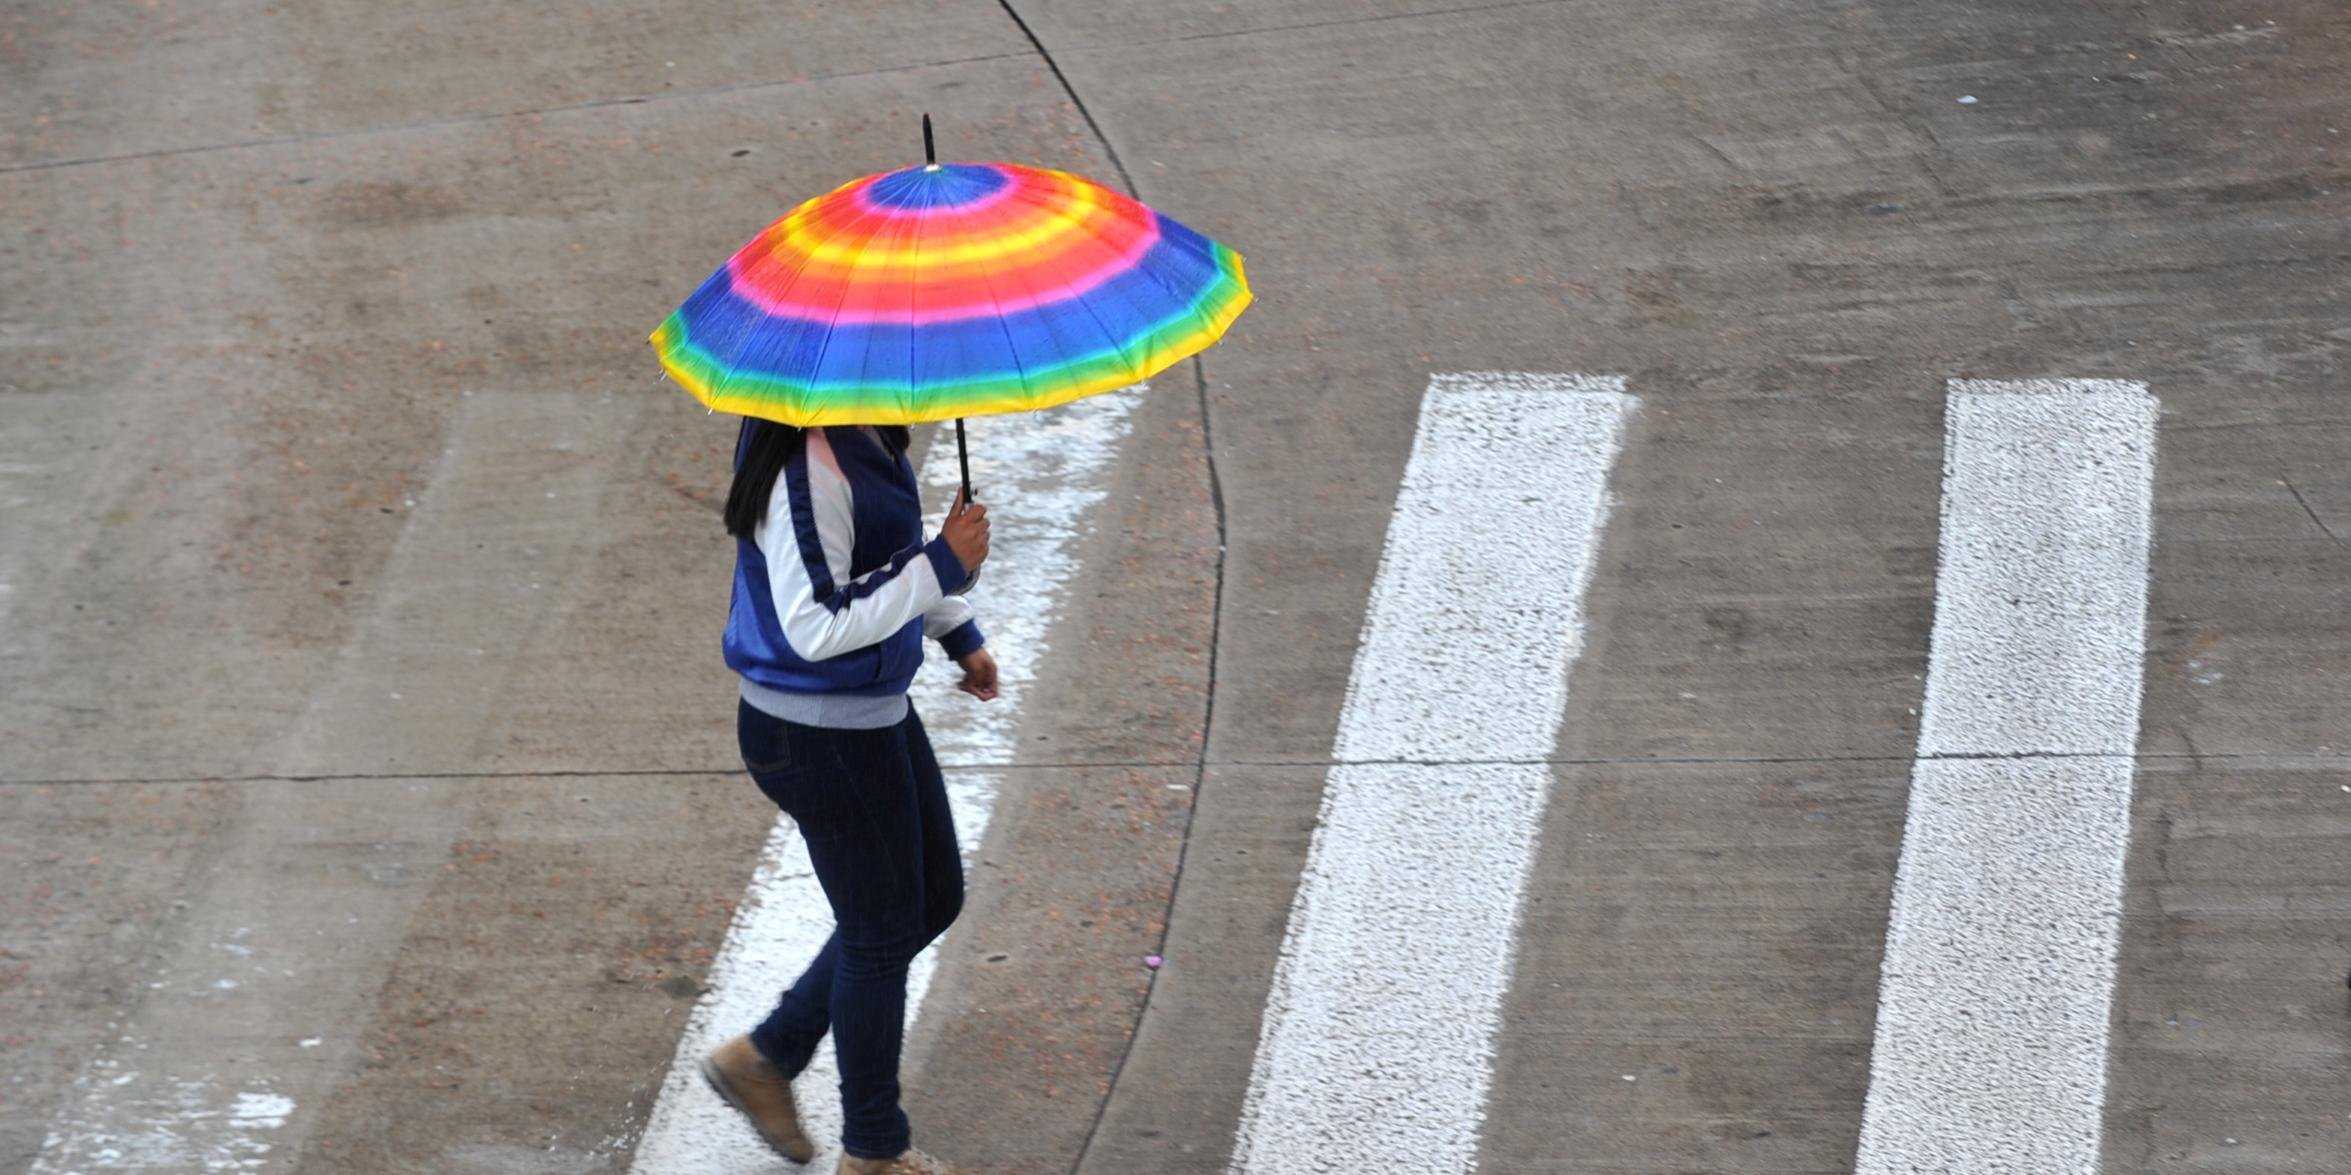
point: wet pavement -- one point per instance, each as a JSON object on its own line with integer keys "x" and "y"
{"x": 365, "y": 762}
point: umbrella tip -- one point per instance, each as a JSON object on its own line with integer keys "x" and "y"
{"x": 930, "y": 154}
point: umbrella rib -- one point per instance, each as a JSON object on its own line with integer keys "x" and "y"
{"x": 830, "y": 238}
{"x": 1107, "y": 333}
{"x": 1190, "y": 304}
{"x": 1012, "y": 349}
{"x": 1129, "y": 360}
{"x": 1188, "y": 307}
{"x": 914, "y": 284}
{"x": 1087, "y": 227}
{"x": 1083, "y": 225}
{"x": 904, "y": 231}
{"x": 798, "y": 275}
{"x": 825, "y": 348}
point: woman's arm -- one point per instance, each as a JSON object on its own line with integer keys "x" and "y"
{"x": 950, "y": 623}
{"x": 806, "y": 538}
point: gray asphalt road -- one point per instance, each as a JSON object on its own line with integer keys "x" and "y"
{"x": 366, "y": 782}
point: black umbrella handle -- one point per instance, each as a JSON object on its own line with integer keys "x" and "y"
{"x": 963, "y": 455}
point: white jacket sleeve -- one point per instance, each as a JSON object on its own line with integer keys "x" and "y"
{"x": 949, "y": 614}
{"x": 950, "y": 623}
{"x": 807, "y": 537}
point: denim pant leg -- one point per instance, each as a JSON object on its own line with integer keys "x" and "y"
{"x": 776, "y": 752}
{"x": 942, "y": 857}
{"x": 853, "y": 796}
{"x": 789, "y": 1037}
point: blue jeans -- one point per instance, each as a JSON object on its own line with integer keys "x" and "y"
{"x": 873, "y": 811}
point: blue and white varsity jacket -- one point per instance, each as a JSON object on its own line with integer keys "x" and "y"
{"x": 836, "y": 588}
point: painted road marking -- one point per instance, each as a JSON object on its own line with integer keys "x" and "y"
{"x": 295, "y": 922}
{"x": 1046, "y": 467}
{"x": 1378, "y": 1039}
{"x": 2000, "y": 953}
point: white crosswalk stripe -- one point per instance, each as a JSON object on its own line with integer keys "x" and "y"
{"x": 1378, "y": 1038}
{"x": 1991, "y": 1039}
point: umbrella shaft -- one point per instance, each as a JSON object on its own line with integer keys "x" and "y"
{"x": 963, "y": 457}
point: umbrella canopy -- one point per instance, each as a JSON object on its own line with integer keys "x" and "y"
{"x": 949, "y": 290}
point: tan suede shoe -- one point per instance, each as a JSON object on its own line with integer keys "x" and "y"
{"x": 909, "y": 1162}
{"x": 742, "y": 1077}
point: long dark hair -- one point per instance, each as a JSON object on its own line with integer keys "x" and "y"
{"x": 761, "y": 451}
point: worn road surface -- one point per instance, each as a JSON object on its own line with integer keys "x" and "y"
{"x": 368, "y": 794}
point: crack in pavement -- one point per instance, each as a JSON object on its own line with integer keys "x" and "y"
{"x": 2318, "y": 760}
{"x": 2303, "y": 502}
{"x": 1315, "y": 24}
{"x": 1216, "y": 605}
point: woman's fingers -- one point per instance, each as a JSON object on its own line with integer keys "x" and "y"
{"x": 966, "y": 532}
{"x": 979, "y": 676}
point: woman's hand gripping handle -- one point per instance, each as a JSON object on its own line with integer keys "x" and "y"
{"x": 966, "y": 532}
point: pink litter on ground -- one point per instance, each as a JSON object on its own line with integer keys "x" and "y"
{"x": 1152, "y": 961}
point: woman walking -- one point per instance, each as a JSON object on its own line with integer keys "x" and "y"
{"x": 835, "y": 591}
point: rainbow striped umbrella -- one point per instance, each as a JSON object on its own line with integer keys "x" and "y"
{"x": 949, "y": 290}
